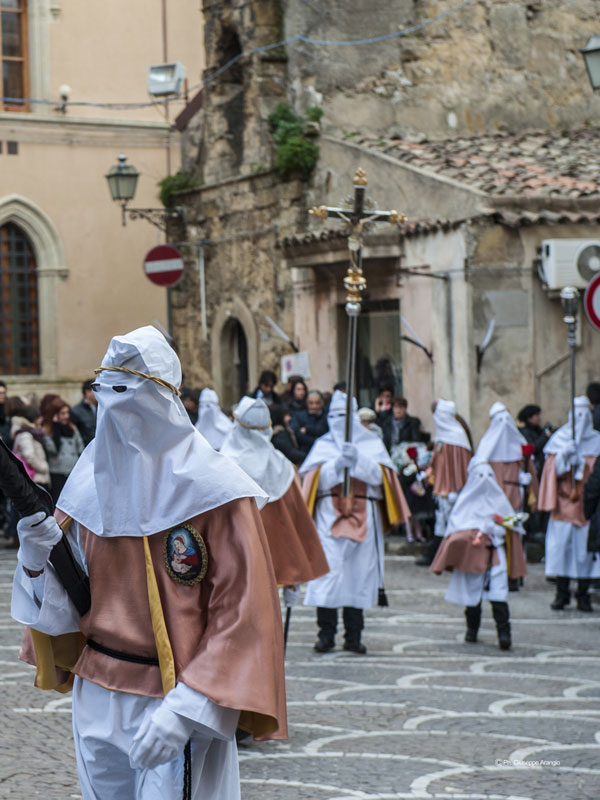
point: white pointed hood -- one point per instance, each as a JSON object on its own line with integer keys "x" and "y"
{"x": 147, "y": 469}
{"x": 329, "y": 446}
{"x": 448, "y": 429}
{"x": 212, "y": 423}
{"x": 503, "y": 440}
{"x": 588, "y": 439}
{"x": 480, "y": 498}
{"x": 248, "y": 443}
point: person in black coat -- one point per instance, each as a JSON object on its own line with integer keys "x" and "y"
{"x": 83, "y": 415}
{"x": 530, "y": 418}
{"x": 591, "y": 508}
{"x": 310, "y": 424}
{"x": 283, "y": 437}
{"x": 399, "y": 426}
{"x": 264, "y": 390}
{"x": 593, "y": 395}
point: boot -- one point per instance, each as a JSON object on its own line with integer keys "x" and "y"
{"x": 353, "y": 625}
{"x": 584, "y": 602}
{"x": 563, "y": 595}
{"x": 327, "y": 622}
{"x": 501, "y": 618}
{"x": 513, "y": 584}
{"x": 473, "y": 617}
{"x": 432, "y": 548}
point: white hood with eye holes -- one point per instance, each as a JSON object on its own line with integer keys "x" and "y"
{"x": 148, "y": 468}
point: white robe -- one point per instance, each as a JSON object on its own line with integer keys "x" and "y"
{"x": 467, "y": 588}
{"x": 104, "y": 722}
{"x": 566, "y": 551}
{"x": 356, "y": 568}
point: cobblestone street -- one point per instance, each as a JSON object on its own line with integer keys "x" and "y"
{"x": 422, "y": 715}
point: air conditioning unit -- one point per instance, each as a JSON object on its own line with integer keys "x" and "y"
{"x": 569, "y": 262}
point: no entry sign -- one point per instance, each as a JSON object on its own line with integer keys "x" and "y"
{"x": 591, "y": 301}
{"x": 163, "y": 265}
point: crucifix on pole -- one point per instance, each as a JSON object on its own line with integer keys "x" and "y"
{"x": 355, "y": 283}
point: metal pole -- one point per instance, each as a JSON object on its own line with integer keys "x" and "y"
{"x": 350, "y": 377}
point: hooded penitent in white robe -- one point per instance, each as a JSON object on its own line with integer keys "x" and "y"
{"x": 451, "y": 455}
{"x": 212, "y": 423}
{"x": 294, "y": 545}
{"x": 473, "y": 538}
{"x": 146, "y": 480}
{"x": 567, "y": 532}
{"x": 353, "y": 544}
{"x": 501, "y": 446}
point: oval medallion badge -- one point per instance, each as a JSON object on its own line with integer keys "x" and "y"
{"x": 186, "y": 559}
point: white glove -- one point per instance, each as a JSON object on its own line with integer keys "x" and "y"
{"x": 160, "y": 738}
{"x": 524, "y": 478}
{"x": 291, "y": 595}
{"x": 421, "y": 475}
{"x": 37, "y": 536}
{"x": 452, "y": 496}
{"x": 579, "y": 464}
{"x": 348, "y": 458}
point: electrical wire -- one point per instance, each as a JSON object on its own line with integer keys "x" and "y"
{"x": 265, "y": 48}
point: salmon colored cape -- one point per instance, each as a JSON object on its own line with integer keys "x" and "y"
{"x": 222, "y": 637}
{"x": 293, "y": 540}
{"x": 555, "y": 492}
{"x": 459, "y": 551}
{"x": 507, "y": 476}
{"x": 352, "y": 523}
{"x": 449, "y": 467}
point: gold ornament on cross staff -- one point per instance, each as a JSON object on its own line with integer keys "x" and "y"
{"x": 360, "y": 177}
{"x": 319, "y": 211}
{"x": 396, "y": 218}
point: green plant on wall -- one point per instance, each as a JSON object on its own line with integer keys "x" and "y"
{"x": 175, "y": 183}
{"x": 294, "y": 151}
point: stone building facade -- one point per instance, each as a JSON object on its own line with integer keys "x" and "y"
{"x": 477, "y": 127}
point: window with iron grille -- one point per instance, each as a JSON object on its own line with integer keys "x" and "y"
{"x": 19, "y": 337}
{"x": 13, "y": 54}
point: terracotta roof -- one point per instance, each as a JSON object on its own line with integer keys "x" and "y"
{"x": 415, "y": 227}
{"x": 548, "y": 163}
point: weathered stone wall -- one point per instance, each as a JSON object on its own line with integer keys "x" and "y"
{"x": 240, "y": 221}
{"x": 493, "y": 65}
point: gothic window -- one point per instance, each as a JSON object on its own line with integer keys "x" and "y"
{"x": 13, "y": 54}
{"x": 19, "y": 339}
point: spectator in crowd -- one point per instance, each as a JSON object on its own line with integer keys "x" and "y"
{"x": 83, "y": 415}
{"x": 284, "y": 438}
{"x": 383, "y": 403}
{"x": 367, "y": 418}
{"x": 190, "y": 399}
{"x": 265, "y": 389}
{"x": 310, "y": 424}
{"x": 287, "y": 395}
{"x": 299, "y": 393}
{"x": 4, "y": 420}
{"x": 28, "y": 445}
{"x": 399, "y": 426}
{"x": 593, "y": 395}
{"x": 63, "y": 444}
{"x": 530, "y": 424}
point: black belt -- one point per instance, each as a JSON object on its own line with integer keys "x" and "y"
{"x": 108, "y": 651}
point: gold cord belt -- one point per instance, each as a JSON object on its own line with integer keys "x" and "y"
{"x": 252, "y": 427}
{"x": 159, "y": 381}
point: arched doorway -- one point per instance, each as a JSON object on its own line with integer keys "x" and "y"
{"x": 234, "y": 362}
{"x": 19, "y": 322}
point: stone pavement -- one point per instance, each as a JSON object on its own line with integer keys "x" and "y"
{"x": 422, "y": 715}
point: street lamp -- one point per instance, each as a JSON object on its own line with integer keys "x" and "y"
{"x": 591, "y": 56}
{"x": 122, "y": 181}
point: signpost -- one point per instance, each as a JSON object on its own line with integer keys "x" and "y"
{"x": 591, "y": 302}
{"x": 163, "y": 265}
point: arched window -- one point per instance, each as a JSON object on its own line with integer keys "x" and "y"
{"x": 19, "y": 340}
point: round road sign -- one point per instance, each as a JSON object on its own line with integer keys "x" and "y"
{"x": 591, "y": 301}
{"x": 163, "y": 265}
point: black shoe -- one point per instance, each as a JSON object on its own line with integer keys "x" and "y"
{"x": 584, "y": 603}
{"x": 504, "y": 640}
{"x": 560, "y": 601}
{"x": 323, "y": 645}
{"x": 424, "y": 561}
{"x": 513, "y": 584}
{"x": 355, "y": 647}
{"x": 471, "y": 636}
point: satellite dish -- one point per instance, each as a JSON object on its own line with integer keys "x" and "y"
{"x": 588, "y": 262}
